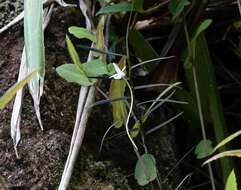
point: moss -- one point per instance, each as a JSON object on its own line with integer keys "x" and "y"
{"x": 98, "y": 175}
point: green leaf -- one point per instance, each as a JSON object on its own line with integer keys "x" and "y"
{"x": 202, "y": 27}
{"x": 231, "y": 183}
{"x": 7, "y": 97}
{"x": 138, "y": 5}
{"x": 100, "y": 41}
{"x": 120, "y": 7}
{"x": 117, "y": 89}
{"x": 145, "y": 170}
{"x": 111, "y": 69}
{"x": 95, "y": 68}
{"x": 135, "y": 129}
{"x": 33, "y": 36}
{"x": 73, "y": 54}
{"x": 81, "y": 33}
{"x": 209, "y": 95}
{"x": 228, "y": 139}
{"x": 162, "y": 93}
{"x": 72, "y": 74}
{"x": 176, "y": 7}
{"x": 236, "y": 153}
{"x": 190, "y": 110}
{"x": 142, "y": 48}
{"x": 204, "y": 149}
{"x": 34, "y": 49}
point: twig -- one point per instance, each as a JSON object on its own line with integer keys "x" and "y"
{"x": 86, "y": 98}
{"x": 78, "y": 134}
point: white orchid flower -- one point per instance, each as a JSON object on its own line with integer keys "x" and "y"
{"x": 119, "y": 73}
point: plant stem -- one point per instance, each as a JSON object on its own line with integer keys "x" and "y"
{"x": 129, "y": 115}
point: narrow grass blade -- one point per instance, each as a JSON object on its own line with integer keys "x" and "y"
{"x": 159, "y": 97}
{"x": 162, "y": 100}
{"x": 8, "y": 96}
{"x": 87, "y": 48}
{"x": 163, "y": 124}
{"x": 150, "y": 86}
{"x": 160, "y": 103}
{"x": 229, "y": 153}
{"x": 228, "y": 139}
{"x": 109, "y": 100}
{"x": 103, "y": 138}
{"x": 34, "y": 46}
{"x": 151, "y": 61}
{"x": 17, "y": 107}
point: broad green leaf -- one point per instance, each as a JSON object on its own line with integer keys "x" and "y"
{"x": 176, "y": 7}
{"x": 73, "y": 54}
{"x": 236, "y": 153}
{"x": 7, "y": 97}
{"x": 228, "y": 139}
{"x": 72, "y": 74}
{"x": 120, "y": 7}
{"x": 111, "y": 69}
{"x": 145, "y": 170}
{"x": 204, "y": 149}
{"x": 201, "y": 28}
{"x": 231, "y": 183}
{"x": 80, "y": 32}
{"x": 95, "y": 68}
{"x": 142, "y": 48}
{"x": 117, "y": 89}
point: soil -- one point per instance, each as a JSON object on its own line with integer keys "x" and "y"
{"x": 9, "y": 10}
{"x": 43, "y": 154}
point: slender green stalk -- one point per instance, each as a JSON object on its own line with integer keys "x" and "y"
{"x": 192, "y": 55}
{"x": 129, "y": 115}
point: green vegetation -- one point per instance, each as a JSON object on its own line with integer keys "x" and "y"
{"x": 178, "y": 69}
